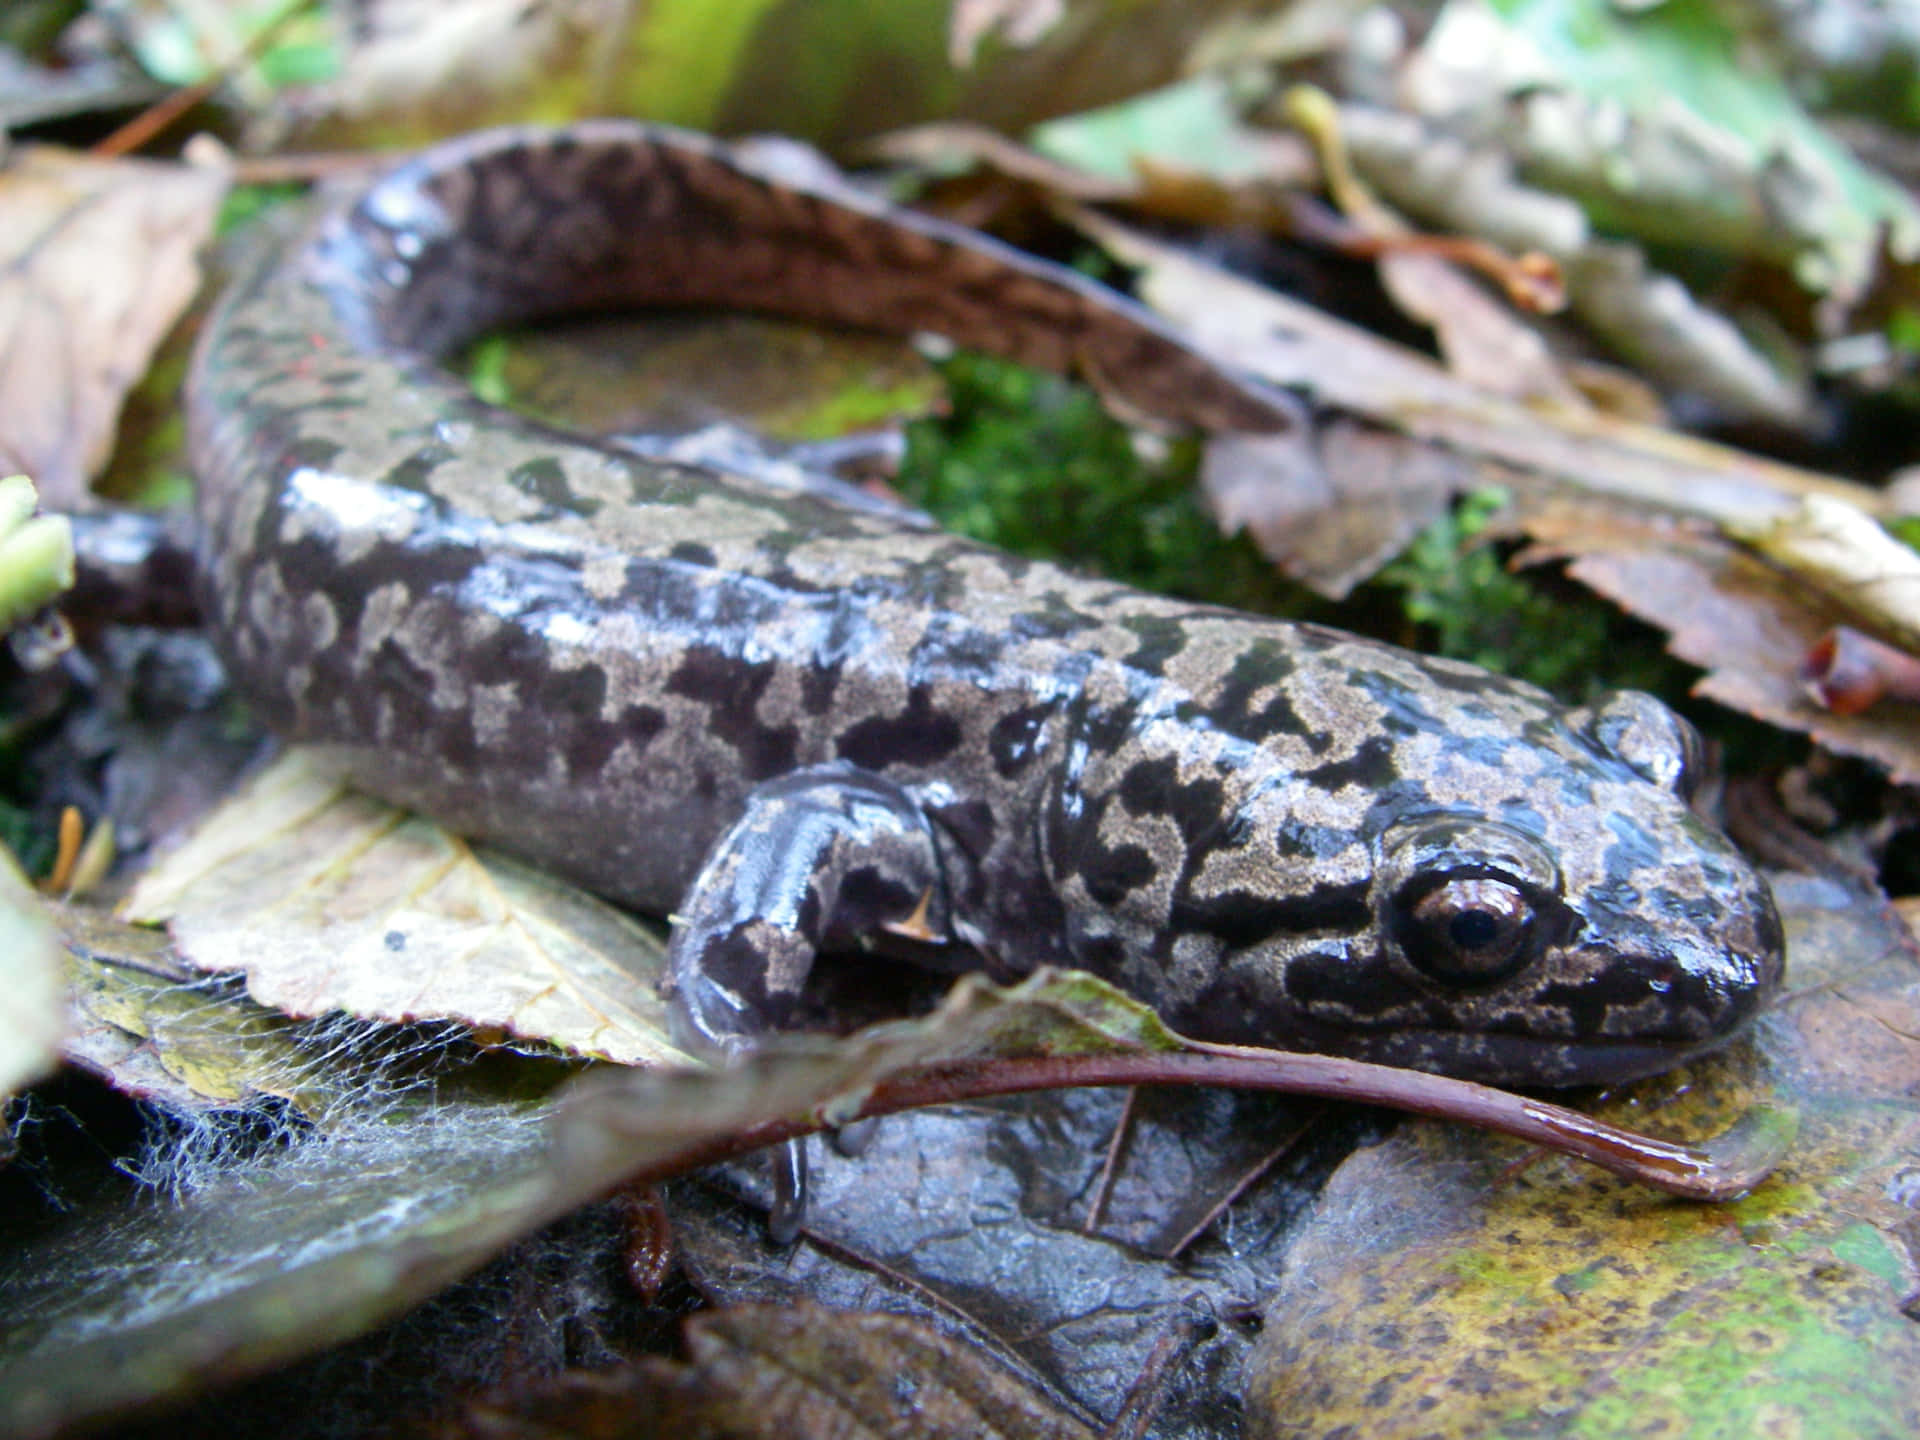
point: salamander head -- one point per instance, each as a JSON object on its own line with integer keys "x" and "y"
{"x": 1558, "y": 915}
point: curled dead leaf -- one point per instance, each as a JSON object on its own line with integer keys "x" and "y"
{"x": 1848, "y": 672}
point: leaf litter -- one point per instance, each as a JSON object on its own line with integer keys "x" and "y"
{"x": 1382, "y": 438}
{"x": 403, "y": 1187}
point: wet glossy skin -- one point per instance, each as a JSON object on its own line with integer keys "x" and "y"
{"x": 798, "y": 726}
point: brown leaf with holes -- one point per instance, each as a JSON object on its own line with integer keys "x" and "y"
{"x": 97, "y": 261}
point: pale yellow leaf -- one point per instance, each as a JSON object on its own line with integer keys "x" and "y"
{"x": 328, "y": 900}
{"x": 1840, "y": 548}
{"x": 32, "y": 1019}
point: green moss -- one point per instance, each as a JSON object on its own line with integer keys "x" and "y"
{"x": 1457, "y": 585}
{"x": 246, "y": 203}
{"x": 1032, "y": 463}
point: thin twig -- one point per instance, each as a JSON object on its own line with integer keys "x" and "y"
{"x": 137, "y": 132}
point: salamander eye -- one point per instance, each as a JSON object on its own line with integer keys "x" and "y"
{"x": 1465, "y": 930}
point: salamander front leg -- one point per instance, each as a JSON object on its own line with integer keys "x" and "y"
{"x": 825, "y": 858}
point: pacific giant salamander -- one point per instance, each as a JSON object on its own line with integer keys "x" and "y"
{"x": 797, "y": 725}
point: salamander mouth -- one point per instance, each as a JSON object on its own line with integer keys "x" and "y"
{"x": 1493, "y": 1057}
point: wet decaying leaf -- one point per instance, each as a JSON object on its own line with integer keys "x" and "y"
{"x": 97, "y": 261}
{"x": 971, "y": 1218}
{"x": 126, "y": 1299}
{"x": 129, "y": 1299}
{"x": 389, "y": 1199}
{"x": 159, "y": 1030}
{"x": 329, "y": 901}
{"x": 778, "y": 1371}
{"x": 134, "y": 1300}
{"x": 1524, "y": 1299}
{"x": 974, "y": 1217}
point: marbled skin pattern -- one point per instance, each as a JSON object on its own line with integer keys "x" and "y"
{"x": 795, "y": 723}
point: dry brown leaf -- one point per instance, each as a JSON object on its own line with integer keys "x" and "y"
{"x": 1647, "y": 317}
{"x": 1484, "y": 343}
{"x": 330, "y": 901}
{"x": 1374, "y": 490}
{"x": 1346, "y": 371}
{"x": 1748, "y": 625}
{"x": 1840, "y": 549}
{"x": 97, "y": 261}
{"x": 1343, "y": 367}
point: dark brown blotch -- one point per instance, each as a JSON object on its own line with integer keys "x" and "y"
{"x": 730, "y": 688}
{"x": 920, "y": 735}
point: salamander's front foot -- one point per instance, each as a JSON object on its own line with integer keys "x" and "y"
{"x": 825, "y": 858}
